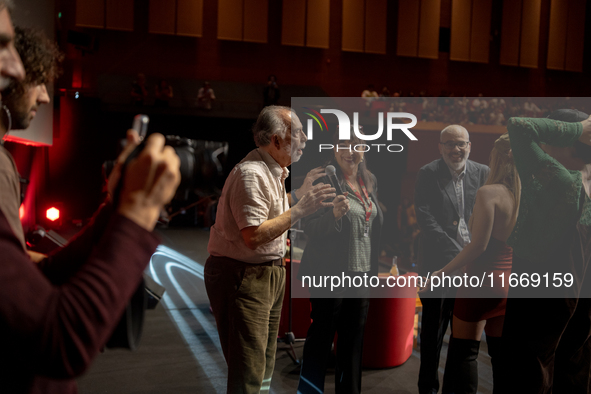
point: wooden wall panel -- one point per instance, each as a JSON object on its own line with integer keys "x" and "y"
{"x": 162, "y": 17}
{"x": 318, "y": 24}
{"x": 480, "y": 35}
{"x": 90, "y": 13}
{"x": 120, "y": 15}
{"x": 256, "y": 20}
{"x": 353, "y": 26}
{"x": 189, "y": 18}
{"x": 293, "y": 25}
{"x": 230, "y": 19}
{"x": 510, "y": 30}
{"x": 408, "y": 28}
{"x": 575, "y": 36}
{"x": 429, "y": 22}
{"x": 557, "y": 35}
{"x": 376, "y": 24}
{"x": 461, "y": 15}
{"x": 530, "y": 33}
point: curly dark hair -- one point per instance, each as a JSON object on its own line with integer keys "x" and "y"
{"x": 39, "y": 55}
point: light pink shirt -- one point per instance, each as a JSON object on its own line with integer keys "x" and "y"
{"x": 254, "y": 192}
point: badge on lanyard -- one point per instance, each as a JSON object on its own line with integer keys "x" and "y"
{"x": 366, "y": 231}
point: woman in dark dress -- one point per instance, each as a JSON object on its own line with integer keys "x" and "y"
{"x": 483, "y": 308}
{"x": 343, "y": 239}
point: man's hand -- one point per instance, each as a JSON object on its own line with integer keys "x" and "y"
{"x": 311, "y": 177}
{"x": 427, "y": 282}
{"x": 341, "y": 206}
{"x": 313, "y": 201}
{"x": 150, "y": 182}
{"x": 585, "y": 137}
{"x": 133, "y": 140}
{"x": 36, "y": 257}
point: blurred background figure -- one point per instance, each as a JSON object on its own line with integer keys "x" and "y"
{"x": 205, "y": 96}
{"x": 369, "y": 94}
{"x": 271, "y": 92}
{"x": 138, "y": 90}
{"x": 163, "y": 94}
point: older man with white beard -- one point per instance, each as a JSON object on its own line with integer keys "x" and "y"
{"x": 445, "y": 191}
{"x": 244, "y": 275}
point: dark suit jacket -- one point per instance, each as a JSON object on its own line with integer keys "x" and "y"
{"x": 437, "y": 211}
{"x": 327, "y": 251}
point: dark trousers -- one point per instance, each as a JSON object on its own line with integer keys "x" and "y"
{"x": 347, "y": 317}
{"x": 436, "y": 315}
{"x": 246, "y": 300}
{"x": 547, "y": 347}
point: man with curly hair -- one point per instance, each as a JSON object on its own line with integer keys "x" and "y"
{"x": 56, "y": 315}
{"x": 21, "y": 99}
{"x": 40, "y": 58}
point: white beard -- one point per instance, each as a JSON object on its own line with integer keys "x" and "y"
{"x": 456, "y": 166}
{"x": 295, "y": 156}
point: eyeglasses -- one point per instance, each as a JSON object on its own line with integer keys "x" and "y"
{"x": 452, "y": 144}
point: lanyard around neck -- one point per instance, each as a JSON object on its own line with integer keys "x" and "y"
{"x": 367, "y": 208}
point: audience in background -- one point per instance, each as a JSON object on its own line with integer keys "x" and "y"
{"x": 369, "y": 94}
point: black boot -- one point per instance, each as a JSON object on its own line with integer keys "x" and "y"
{"x": 494, "y": 349}
{"x": 461, "y": 367}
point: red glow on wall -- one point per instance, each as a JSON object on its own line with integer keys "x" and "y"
{"x": 23, "y": 141}
{"x": 77, "y": 76}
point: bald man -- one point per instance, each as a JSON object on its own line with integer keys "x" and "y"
{"x": 445, "y": 191}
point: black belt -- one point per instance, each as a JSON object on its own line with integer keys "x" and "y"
{"x": 276, "y": 263}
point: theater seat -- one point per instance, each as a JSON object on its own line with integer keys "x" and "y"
{"x": 388, "y": 338}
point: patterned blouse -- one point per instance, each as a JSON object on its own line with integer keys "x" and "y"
{"x": 359, "y": 245}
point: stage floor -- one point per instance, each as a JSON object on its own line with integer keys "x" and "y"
{"x": 180, "y": 350}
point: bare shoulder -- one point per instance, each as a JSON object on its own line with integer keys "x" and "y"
{"x": 491, "y": 192}
{"x": 498, "y": 194}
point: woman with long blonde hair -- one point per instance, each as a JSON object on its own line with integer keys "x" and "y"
{"x": 479, "y": 309}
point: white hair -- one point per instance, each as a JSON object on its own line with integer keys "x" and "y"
{"x": 272, "y": 120}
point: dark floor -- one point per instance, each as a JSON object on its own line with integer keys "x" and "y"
{"x": 180, "y": 350}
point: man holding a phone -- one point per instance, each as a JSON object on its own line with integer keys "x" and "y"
{"x": 58, "y": 313}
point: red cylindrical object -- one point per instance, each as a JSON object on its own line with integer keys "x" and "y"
{"x": 388, "y": 337}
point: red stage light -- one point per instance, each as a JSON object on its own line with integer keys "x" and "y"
{"x": 21, "y": 212}
{"x": 52, "y": 214}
